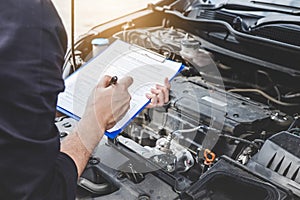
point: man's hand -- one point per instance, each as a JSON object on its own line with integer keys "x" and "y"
{"x": 106, "y": 105}
{"x": 159, "y": 95}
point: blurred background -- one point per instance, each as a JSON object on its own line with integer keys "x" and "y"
{"x": 89, "y": 13}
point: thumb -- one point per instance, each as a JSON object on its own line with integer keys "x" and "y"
{"x": 104, "y": 82}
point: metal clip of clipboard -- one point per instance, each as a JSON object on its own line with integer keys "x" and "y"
{"x": 148, "y": 53}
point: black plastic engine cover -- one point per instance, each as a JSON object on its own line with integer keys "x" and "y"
{"x": 279, "y": 161}
{"x": 231, "y": 113}
{"x": 228, "y": 180}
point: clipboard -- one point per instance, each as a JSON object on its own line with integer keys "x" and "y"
{"x": 118, "y": 59}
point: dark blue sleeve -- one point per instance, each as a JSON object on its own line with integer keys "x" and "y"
{"x": 32, "y": 47}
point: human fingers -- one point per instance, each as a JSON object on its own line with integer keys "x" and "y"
{"x": 149, "y": 97}
{"x": 153, "y": 102}
{"x": 159, "y": 95}
{"x": 126, "y": 81}
{"x": 165, "y": 89}
{"x": 121, "y": 98}
{"x": 167, "y": 83}
{"x": 120, "y": 91}
{"x": 104, "y": 81}
{"x": 165, "y": 92}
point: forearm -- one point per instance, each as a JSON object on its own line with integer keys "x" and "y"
{"x": 73, "y": 147}
{"x": 99, "y": 116}
{"x": 80, "y": 144}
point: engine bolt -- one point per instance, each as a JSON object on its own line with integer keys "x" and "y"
{"x": 170, "y": 168}
{"x": 144, "y": 197}
{"x": 94, "y": 161}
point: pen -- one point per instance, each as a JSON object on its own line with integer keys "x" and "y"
{"x": 113, "y": 80}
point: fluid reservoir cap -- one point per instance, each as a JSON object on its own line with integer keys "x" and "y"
{"x": 190, "y": 44}
{"x": 99, "y": 44}
{"x": 100, "y": 41}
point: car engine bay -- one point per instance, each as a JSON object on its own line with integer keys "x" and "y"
{"x": 231, "y": 129}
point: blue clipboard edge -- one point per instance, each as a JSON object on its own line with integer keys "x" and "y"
{"x": 110, "y": 135}
{"x": 64, "y": 111}
{"x": 114, "y": 134}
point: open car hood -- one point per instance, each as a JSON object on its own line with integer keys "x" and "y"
{"x": 231, "y": 128}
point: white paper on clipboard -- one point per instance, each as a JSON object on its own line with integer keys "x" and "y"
{"x": 119, "y": 59}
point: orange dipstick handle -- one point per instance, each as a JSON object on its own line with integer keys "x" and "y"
{"x": 209, "y": 157}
